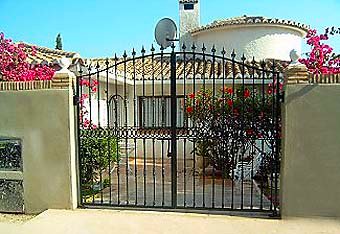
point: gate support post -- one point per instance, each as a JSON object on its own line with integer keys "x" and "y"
{"x": 173, "y": 130}
{"x": 44, "y": 120}
{"x": 310, "y": 174}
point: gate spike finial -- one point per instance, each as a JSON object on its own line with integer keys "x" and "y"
{"x": 125, "y": 54}
{"x": 116, "y": 58}
{"x": 193, "y": 47}
{"x": 233, "y": 54}
{"x": 152, "y": 48}
{"x": 253, "y": 61}
{"x": 204, "y": 48}
{"x": 107, "y": 61}
{"x": 133, "y": 52}
{"x": 162, "y": 48}
{"x": 143, "y": 50}
{"x": 243, "y": 58}
{"x": 223, "y": 52}
{"x": 97, "y": 65}
{"x": 273, "y": 64}
{"x": 213, "y": 49}
{"x": 173, "y": 46}
{"x": 263, "y": 64}
{"x": 184, "y": 46}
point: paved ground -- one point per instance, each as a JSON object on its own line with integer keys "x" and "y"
{"x": 151, "y": 186}
{"x": 126, "y": 222}
{"x": 12, "y": 223}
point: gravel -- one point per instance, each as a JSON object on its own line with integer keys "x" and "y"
{"x": 15, "y": 218}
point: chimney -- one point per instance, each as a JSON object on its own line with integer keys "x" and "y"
{"x": 189, "y": 18}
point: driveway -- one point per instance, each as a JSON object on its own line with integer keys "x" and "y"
{"x": 149, "y": 222}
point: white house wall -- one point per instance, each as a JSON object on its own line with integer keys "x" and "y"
{"x": 260, "y": 41}
{"x": 149, "y": 149}
{"x": 189, "y": 19}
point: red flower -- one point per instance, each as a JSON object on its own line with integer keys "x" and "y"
{"x": 192, "y": 95}
{"x": 227, "y": 90}
{"x": 230, "y": 102}
{"x": 84, "y": 82}
{"x": 190, "y": 109}
{"x": 230, "y": 91}
{"x": 249, "y": 132}
{"x": 261, "y": 116}
{"x": 269, "y": 91}
{"x": 281, "y": 86}
{"x": 236, "y": 112}
{"x": 246, "y": 93}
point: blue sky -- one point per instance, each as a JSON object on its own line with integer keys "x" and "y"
{"x": 98, "y": 28}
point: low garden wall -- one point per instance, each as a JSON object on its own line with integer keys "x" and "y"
{"x": 310, "y": 173}
{"x": 44, "y": 121}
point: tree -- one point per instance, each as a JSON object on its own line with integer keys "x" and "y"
{"x": 59, "y": 44}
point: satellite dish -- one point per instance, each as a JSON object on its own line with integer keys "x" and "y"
{"x": 165, "y": 32}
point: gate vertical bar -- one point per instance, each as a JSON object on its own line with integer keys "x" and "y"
{"x": 79, "y": 122}
{"x": 277, "y": 143}
{"x": 173, "y": 129}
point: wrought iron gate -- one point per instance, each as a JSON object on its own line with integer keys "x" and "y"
{"x": 180, "y": 129}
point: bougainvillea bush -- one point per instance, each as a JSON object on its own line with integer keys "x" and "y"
{"x": 321, "y": 59}
{"x": 228, "y": 123}
{"x": 92, "y": 86}
{"x": 14, "y": 65}
{"x": 97, "y": 153}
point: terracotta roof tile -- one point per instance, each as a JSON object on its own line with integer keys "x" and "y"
{"x": 46, "y": 55}
{"x": 156, "y": 68}
{"x": 247, "y": 20}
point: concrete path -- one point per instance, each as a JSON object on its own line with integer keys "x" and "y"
{"x": 148, "y": 222}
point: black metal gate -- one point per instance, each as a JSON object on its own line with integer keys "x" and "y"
{"x": 186, "y": 129}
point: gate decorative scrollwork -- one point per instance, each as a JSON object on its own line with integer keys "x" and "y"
{"x": 218, "y": 118}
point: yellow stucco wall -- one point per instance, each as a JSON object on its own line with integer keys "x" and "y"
{"x": 44, "y": 120}
{"x": 310, "y": 183}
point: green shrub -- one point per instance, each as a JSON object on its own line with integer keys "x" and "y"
{"x": 96, "y": 154}
{"x": 228, "y": 122}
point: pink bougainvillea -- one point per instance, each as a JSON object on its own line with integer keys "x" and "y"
{"x": 321, "y": 59}
{"x": 14, "y": 65}
{"x": 85, "y": 122}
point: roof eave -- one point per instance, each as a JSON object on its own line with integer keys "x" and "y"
{"x": 302, "y": 30}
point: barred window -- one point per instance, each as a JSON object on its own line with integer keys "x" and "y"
{"x": 117, "y": 111}
{"x": 155, "y": 112}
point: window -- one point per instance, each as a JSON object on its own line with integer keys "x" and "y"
{"x": 188, "y": 6}
{"x": 155, "y": 112}
{"x": 117, "y": 111}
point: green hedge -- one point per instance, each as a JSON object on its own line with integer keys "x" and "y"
{"x": 96, "y": 154}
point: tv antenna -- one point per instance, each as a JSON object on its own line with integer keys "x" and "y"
{"x": 165, "y": 32}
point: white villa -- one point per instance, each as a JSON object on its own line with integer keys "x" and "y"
{"x": 266, "y": 39}
{"x": 256, "y": 36}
